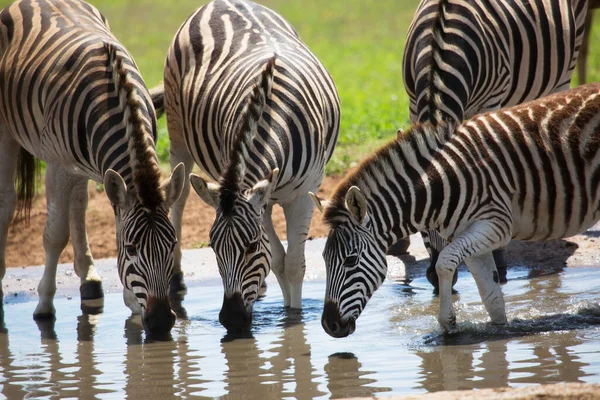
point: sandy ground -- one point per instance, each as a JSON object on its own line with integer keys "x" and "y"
{"x": 25, "y": 245}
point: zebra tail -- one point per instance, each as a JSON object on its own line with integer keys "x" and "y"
{"x": 437, "y": 32}
{"x": 247, "y": 128}
{"x": 157, "y": 94}
{"x": 28, "y": 170}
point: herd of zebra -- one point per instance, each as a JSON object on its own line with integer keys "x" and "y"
{"x": 248, "y": 103}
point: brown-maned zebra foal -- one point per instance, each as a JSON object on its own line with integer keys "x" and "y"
{"x": 530, "y": 172}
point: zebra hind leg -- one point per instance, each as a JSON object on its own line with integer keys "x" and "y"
{"x": 298, "y": 215}
{"x": 9, "y": 149}
{"x": 92, "y": 294}
{"x": 277, "y": 256}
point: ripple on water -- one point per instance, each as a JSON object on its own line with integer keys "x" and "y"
{"x": 553, "y": 336}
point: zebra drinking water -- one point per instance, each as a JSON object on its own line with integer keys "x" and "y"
{"x": 71, "y": 95}
{"x": 530, "y": 172}
{"x": 463, "y": 58}
{"x": 265, "y": 142}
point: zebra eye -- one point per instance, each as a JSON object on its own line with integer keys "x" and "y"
{"x": 131, "y": 250}
{"x": 253, "y": 247}
{"x": 351, "y": 260}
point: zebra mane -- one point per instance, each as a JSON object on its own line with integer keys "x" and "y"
{"x": 433, "y": 79}
{"x": 233, "y": 177}
{"x": 142, "y": 154}
{"x": 418, "y": 141}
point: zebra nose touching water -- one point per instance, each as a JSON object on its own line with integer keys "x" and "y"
{"x": 73, "y": 97}
{"x": 249, "y": 103}
{"x": 530, "y": 172}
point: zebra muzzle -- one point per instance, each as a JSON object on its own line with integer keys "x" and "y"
{"x": 158, "y": 318}
{"x": 234, "y": 316}
{"x": 334, "y": 324}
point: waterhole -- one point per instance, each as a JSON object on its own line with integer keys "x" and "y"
{"x": 553, "y": 336}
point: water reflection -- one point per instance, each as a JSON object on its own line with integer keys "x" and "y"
{"x": 345, "y": 378}
{"x": 283, "y": 369}
{"x": 500, "y": 363}
{"x": 158, "y": 369}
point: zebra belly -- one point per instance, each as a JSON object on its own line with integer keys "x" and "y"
{"x": 546, "y": 229}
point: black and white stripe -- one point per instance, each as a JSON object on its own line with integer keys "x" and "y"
{"x": 71, "y": 95}
{"x": 530, "y": 172}
{"x": 218, "y": 59}
{"x": 463, "y": 58}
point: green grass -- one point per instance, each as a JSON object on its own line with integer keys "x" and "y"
{"x": 360, "y": 42}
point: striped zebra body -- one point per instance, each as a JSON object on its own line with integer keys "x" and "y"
{"x": 234, "y": 64}
{"x": 463, "y": 58}
{"x": 71, "y": 95}
{"x": 530, "y": 172}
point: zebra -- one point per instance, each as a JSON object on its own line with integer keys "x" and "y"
{"x": 247, "y": 101}
{"x": 463, "y": 58}
{"x": 71, "y": 95}
{"x": 530, "y": 172}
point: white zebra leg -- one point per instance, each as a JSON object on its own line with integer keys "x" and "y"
{"x": 485, "y": 274}
{"x": 179, "y": 154}
{"x": 56, "y": 236}
{"x": 298, "y": 214}
{"x": 9, "y": 149}
{"x": 90, "y": 281}
{"x": 446, "y": 267}
{"x": 277, "y": 256}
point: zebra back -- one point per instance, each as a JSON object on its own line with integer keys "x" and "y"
{"x": 215, "y": 59}
{"x": 536, "y": 165}
{"x": 466, "y": 57}
{"x": 107, "y": 123}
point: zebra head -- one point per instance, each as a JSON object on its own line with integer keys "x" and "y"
{"x": 145, "y": 242}
{"x": 355, "y": 263}
{"x": 241, "y": 245}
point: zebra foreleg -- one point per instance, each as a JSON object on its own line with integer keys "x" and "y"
{"x": 479, "y": 238}
{"x": 56, "y": 236}
{"x": 179, "y": 154}
{"x": 277, "y": 256}
{"x": 486, "y": 276}
{"x": 90, "y": 288}
{"x": 298, "y": 214}
{"x": 8, "y": 196}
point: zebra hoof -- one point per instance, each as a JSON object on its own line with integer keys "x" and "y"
{"x": 177, "y": 286}
{"x": 91, "y": 290}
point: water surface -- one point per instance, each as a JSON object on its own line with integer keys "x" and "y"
{"x": 554, "y": 336}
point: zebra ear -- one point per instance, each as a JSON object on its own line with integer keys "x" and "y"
{"x": 260, "y": 194}
{"x": 208, "y": 191}
{"x": 399, "y": 134}
{"x": 320, "y": 204}
{"x": 115, "y": 188}
{"x": 356, "y": 204}
{"x": 174, "y": 185}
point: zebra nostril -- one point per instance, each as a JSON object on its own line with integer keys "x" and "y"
{"x": 335, "y": 327}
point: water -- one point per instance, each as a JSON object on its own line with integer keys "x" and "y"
{"x": 554, "y": 336}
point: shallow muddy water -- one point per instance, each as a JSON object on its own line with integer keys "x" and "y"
{"x": 554, "y": 336}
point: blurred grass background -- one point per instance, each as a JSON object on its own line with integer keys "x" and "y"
{"x": 360, "y": 42}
